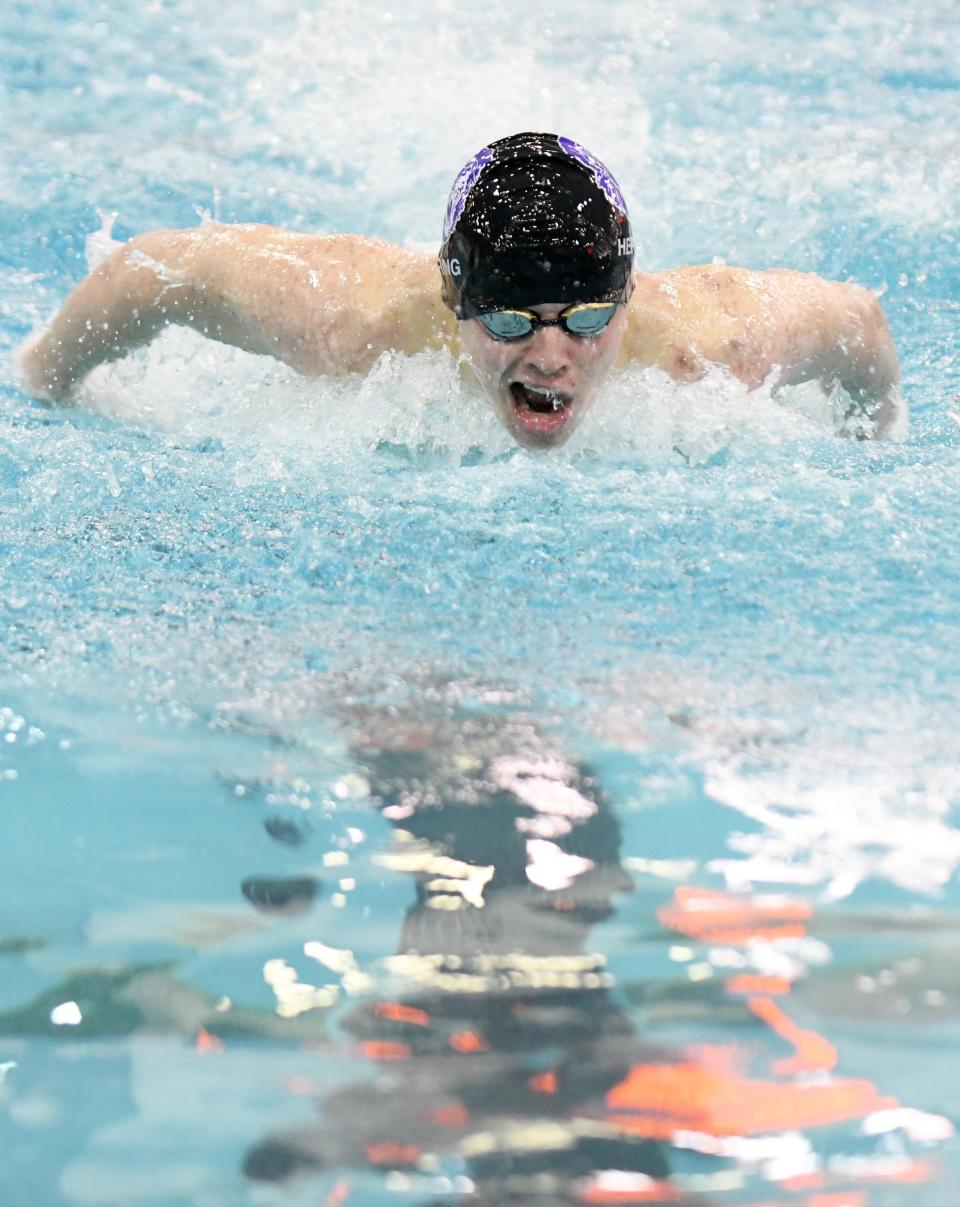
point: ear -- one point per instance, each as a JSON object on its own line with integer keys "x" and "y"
{"x": 449, "y": 294}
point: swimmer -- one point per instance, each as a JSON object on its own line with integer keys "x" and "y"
{"x": 536, "y": 292}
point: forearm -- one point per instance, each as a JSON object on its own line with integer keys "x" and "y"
{"x": 157, "y": 279}
{"x": 122, "y": 304}
{"x": 866, "y": 368}
{"x": 847, "y": 344}
{"x": 865, "y": 359}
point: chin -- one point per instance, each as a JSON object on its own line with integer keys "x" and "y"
{"x": 542, "y": 440}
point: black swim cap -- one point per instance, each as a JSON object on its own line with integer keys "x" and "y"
{"x": 534, "y": 218}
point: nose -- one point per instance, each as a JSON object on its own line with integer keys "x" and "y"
{"x": 547, "y": 352}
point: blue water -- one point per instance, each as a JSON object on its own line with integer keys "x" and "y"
{"x": 289, "y": 663}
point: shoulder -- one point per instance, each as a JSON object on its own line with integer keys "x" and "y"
{"x": 684, "y": 318}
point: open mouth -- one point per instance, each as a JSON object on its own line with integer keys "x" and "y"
{"x": 538, "y": 408}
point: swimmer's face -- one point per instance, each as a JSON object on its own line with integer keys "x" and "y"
{"x": 542, "y": 386}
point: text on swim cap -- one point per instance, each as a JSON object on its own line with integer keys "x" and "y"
{"x": 625, "y": 247}
{"x": 451, "y": 266}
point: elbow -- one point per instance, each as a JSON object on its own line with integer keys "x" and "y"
{"x": 867, "y": 367}
{"x": 155, "y": 276}
{"x": 870, "y": 378}
{"x": 881, "y": 354}
{"x": 152, "y": 254}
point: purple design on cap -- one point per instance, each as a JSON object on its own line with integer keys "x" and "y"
{"x": 464, "y": 182}
{"x": 601, "y": 174}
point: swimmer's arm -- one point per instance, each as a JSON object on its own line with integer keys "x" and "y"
{"x": 836, "y": 333}
{"x": 322, "y": 304}
{"x": 775, "y": 328}
{"x": 122, "y": 304}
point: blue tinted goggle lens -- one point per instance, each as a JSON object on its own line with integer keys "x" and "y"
{"x": 585, "y": 319}
{"x": 588, "y": 319}
{"x": 507, "y": 324}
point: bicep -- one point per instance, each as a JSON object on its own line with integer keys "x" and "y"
{"x": 835, "y": 332}
{"x": 323, "y": 304}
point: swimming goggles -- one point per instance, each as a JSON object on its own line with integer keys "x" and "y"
{"x": 583, "y": 319}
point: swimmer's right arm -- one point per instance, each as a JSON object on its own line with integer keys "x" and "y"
{"x": 322, "y": 304}
{"x": 122, "y": 304}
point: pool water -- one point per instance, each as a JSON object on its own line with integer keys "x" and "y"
{"x": 394, "y": 816}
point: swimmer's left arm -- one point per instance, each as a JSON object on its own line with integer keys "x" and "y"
{"x": 836, "y": 333}
{"x": 775, "y": 328}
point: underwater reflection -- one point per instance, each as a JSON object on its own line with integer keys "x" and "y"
{"x": 507, "y": 1037}
{"x": 505, "y": 1064}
